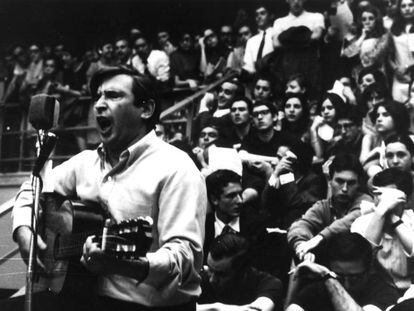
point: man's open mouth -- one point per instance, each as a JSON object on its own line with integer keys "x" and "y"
{"x": 104, "y": 124}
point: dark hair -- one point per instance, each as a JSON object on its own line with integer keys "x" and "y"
{"x": 267, "y": 78}
{"x": 266, "y": 103}
{"x": 337, "y": 102}
{"x": 143, "y": 88}
{"x": 300, "y": 78}
{"x": 394, "y": 176}
{"x": 104, "y": 41}
{"x": 376, "y": 87}
{"x": 122, "y": 38}
{"x": 352, "y": 113}
{"x": 379, "y": 25}
{"x": 57, "y": 61}
{"x": 399, "y": 22}
{"x": 399, "y": 114}
{"x": 240, "y": 87}
{"x": 346, "y": 162}
{"x": 376, "y": 73}
{"x": 218, "y": 180}
{"x": 349, "y": 246}
{"x": 245, "y": 99}
{"x": 403, "y": 139}
{"x": 231, "y": 245}
{"x": 299, "y": 127}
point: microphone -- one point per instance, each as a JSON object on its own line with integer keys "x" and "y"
{"x": 43, "y": 115}
{"x": 49, "y": 142}
{"x": 43, "y": 112}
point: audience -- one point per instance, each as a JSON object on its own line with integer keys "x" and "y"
{"x": 229, "y": 280}
{"x": 348, "y": 282}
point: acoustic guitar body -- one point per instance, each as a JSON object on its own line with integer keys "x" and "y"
{"x": 65, "y": 226}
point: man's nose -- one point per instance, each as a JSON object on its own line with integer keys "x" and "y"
{"x": 345, "y": 187}
{"x": 395, "y": 159}
{"x": 100, "y": 105}
{"x": 239, "y": 198}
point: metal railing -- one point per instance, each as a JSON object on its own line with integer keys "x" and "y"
{"x": 17, "y": 140}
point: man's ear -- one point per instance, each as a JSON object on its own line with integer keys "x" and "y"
{"x": 148, "y": 107}
{"x": 214, "y": 200}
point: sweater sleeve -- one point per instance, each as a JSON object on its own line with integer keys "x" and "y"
{"x": 310, "y": 224}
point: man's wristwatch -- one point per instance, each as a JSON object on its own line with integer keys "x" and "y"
{"x": 329, "y": 275}
{"x": 396, "y": 224}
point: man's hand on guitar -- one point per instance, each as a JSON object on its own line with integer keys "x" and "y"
{"x": 95, "y": 259}
{"x": 99, "y": 262}
{"x": 23, "y": 236}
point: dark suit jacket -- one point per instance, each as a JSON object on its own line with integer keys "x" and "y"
{"x": 251, "y": 227}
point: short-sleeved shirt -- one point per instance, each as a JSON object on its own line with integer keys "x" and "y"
{"x": 250, "y": 286}
{"x": 377, "y": 292}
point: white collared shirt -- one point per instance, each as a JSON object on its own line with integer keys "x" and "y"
{"x": 219, "y": 225}
{"x": 252, "y": 48}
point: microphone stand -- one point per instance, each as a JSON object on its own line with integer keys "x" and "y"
{"x": 46, "y": 142}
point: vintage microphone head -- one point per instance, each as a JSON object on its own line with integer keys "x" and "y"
{"x": 43, "y": 112}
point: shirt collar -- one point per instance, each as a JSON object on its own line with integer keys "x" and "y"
{"x": 268, "y": 29}
{"x": 132, "y": 153}
{"x": 219, "y": 225}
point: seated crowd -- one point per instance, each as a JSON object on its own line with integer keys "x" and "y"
{"x": 307, "y": 149}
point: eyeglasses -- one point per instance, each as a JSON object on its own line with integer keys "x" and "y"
{"x": 262, "y": 113}
{"x": 226, "y": 91}
{"x": 209, "y": 134}
{"x": 345, "y": 126}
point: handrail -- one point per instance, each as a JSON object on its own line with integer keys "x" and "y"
{"x": 187, "y": 101}
{"x": 6, "y": 207}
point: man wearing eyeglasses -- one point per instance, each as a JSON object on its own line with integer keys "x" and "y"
{"x": 346, "y": 283}
{"x": 264, "y": 140}
{"x": 348, "y": 137}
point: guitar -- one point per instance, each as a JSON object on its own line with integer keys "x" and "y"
{"x": 65, "y": 226}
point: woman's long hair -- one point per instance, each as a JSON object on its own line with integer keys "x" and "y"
{"x": 399, "y": 22}
{"x": 299, "y": 127}
{"x": 379, "y": 29}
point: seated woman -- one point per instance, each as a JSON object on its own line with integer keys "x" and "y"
{"x": 389, "y": 118}
{"x": 369, "y": 43}
{"x": 399, "y": 153}
{"x": 296, "y": 119}
{"x": 322, "y": 128}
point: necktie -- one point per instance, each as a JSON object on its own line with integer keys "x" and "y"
{"x": 261, "y": 46}
{"x": 228, "y": 229}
